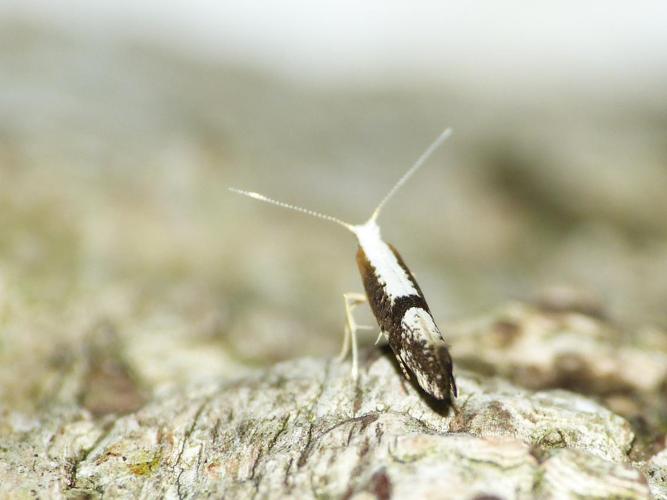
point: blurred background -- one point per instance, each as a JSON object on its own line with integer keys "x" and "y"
{"x": 125, "y": 263}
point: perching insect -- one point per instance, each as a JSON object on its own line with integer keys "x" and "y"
{"x": 395, "y": 298}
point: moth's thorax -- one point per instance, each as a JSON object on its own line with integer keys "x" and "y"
{"x": 391, "y": 275}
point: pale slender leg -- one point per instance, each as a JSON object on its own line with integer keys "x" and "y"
{"x": 346, "y": 339}
{"x": 346, "y": 345}
{"x": 352, "y": 300}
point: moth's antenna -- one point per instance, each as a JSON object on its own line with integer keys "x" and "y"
{"x": 420, "y": 161}
{"x": 261, "y": 197}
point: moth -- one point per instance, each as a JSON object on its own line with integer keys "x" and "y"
{"x": 394, "y": 296}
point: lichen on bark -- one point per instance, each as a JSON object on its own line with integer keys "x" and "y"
{"x": 304, "y": 429}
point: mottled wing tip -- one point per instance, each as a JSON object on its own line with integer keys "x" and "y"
{"x": 447, "y": 366}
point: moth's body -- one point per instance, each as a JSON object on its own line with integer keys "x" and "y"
{"x": 395, "y": 299}
{"x": 402, "y": 313}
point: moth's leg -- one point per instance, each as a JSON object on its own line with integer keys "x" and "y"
{"x": 346, "y": 345}
{"x": 380, "y": 335}
{"x": 352, "y": 300}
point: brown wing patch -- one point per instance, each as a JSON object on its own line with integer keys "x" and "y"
{"x": 375, "y": 292}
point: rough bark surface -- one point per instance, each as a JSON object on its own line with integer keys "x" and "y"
{"x": 303, "y": 429}
{"x": 138, "y": 298}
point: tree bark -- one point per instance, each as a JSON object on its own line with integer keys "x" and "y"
{"x": 304, "y": 429}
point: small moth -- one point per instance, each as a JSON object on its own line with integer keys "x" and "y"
{"x": 395, "y": 298}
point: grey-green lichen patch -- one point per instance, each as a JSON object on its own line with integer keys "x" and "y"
{"x": 540, "y": 348}
{"x": 573, "y": 474}
{"x": 570, "y": 346}
{"x": 656, "y": 473}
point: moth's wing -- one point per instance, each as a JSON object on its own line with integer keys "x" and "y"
{"x": 422, "y": 351}
{"x": 403, "y": 368}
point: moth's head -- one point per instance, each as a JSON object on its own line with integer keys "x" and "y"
{"x": 367, "y": 232}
